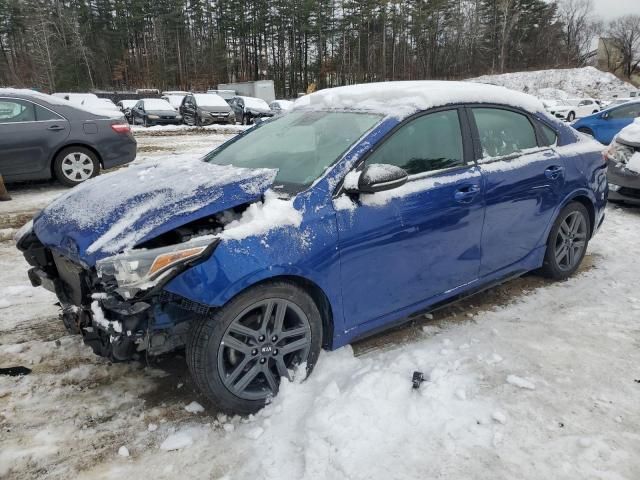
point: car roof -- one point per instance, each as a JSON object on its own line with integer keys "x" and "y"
{"x": 403, "y": 98}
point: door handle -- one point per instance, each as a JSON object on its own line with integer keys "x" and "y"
{"x": 554, "y": 172}
{"x": 467, "y": 193}
{"x": 55, "y": 127}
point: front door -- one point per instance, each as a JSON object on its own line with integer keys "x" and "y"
{"x": 402, "y": 247}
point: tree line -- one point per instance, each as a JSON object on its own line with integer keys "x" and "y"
{"x": 58, "y": 45}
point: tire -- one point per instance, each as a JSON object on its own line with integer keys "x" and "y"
{"x": 145, "y": 122}
{"x": 74, "y": 165}
{"x": 245, "y": 120}
{"x": 571, "y": 117}
{"x": 197, "y": 121}
{"x": 562, "y": 239}
{"x": 236, "y": 378}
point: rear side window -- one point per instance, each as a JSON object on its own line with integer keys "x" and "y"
{"x": 43, "y": 114}
{"x": 626, "y": 111}
{"x": 427, "y": 143}
{"x": 503, "y": 132}
{"x": 14, "y": 111}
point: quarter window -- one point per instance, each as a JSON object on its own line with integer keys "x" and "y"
{"x": 549, "y": 136}
{"x": 13, "y": 111}
{"x": 503, "y": 132}
{"x": 427, "y": 143}
{"x": 43, "y": 114}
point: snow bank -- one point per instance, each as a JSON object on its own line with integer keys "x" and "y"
{"x": 562, "y": 83}
{"x": 401, "y": 99}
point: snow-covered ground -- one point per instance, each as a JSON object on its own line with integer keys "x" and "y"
{"x": 529, "y": 380}
{"x": 562, "y": 83}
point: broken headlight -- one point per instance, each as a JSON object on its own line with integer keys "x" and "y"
{"x": 143, "y": 269}
{"x": 618, "y": 153}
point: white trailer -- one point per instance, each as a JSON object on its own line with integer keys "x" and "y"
{"x": 263, "y": 89}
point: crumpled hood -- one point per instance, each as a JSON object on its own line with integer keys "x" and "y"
{"x": 117, "y": 211}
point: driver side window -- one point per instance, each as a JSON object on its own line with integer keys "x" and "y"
{"x": 626, "y": 111}
{"x": 427, "y": 143}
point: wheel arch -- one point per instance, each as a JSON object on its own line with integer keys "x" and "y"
{"x": 317, "y": 294}
{"x": 73, "y": 144}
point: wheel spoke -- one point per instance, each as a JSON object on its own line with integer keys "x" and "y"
{"x": 266, "y": 316}
{"x": 295, "y": 346}
{"x": 271, "y": 379}
{"x": 281, "y": 310}
{"x": 561, "y": 253}
{"x": 569, "y": 256}
{"x": 564, "y": 229}
{"x": 231, "y": 342}
{"x": 237, "y": 327}
{"x": 283, "y": 371}
{"x": 294, "y": 332}
{"x": 247, "y": 378}
{"x": 238, "y": 370}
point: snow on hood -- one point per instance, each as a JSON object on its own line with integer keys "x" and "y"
{"x": 631, "y": 133}
{"x": 401, "y": 99}
{"x": 115, "y": 212}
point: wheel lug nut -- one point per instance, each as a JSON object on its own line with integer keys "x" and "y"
{"x": 261, "y": 338}
{"x": 254, "y": 352}
{"x": 262, "y": 360}
{"x": 274, "y": 338}
{"x": 275, "y": 352}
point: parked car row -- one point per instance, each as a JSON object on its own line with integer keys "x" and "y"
{"x": 200, "y": 109}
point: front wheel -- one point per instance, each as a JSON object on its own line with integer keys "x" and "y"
{"x": 238, "y": 355}
{"x": 567, "y": 243}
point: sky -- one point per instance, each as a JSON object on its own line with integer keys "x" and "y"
{"x": 611, "y": 9}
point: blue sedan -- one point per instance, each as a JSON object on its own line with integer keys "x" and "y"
{"x": 361, "y": 206}
{"x": 605, "y": 125}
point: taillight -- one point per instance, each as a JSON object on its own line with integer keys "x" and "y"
{"x": 121, "y": 127}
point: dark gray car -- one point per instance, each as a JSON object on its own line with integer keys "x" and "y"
{"x": 154, "y": 111}
{"x": 624, "y": 182}
{"x": 205, "y": 109}
{"x": 43, "y": 137}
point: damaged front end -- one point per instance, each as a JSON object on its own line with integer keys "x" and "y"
{"x": 119, "y": 306}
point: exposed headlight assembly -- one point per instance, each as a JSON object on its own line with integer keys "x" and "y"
{"x": 143, "y": 269}
{"x": 153, "y": 117}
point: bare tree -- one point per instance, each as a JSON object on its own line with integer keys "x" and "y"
{"x": 625, "y": 35}
{"x": 580, "y": 29}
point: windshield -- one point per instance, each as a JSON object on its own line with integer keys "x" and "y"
{"x": 301, "y": 145}
{"x": 174, "y": 100}
{"x": 210, "y": 100}
{"x": 157, "y": 104}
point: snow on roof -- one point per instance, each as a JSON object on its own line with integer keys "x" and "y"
{"x": 52, "y": 100}
{"x": 401, "y": 99}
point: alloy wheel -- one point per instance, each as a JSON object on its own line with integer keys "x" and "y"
{"x": 263, "y": 343}
{"x": 77, "y": 167}
{"x": 571, "y": 241}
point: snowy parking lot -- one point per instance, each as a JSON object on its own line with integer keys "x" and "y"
{"x": 531, "y": 379}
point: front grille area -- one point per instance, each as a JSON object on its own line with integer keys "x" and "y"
{"x": 184, "y": 303}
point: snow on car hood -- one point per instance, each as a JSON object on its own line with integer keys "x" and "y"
{"x": 117, "y": 211}
{"x": 631, "y": 133}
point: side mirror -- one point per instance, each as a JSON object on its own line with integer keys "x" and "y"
{"x": 605, "y": 116}
{"x": 379, "y": 177}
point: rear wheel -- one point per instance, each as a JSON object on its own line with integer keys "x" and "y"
{"x": 567, "y": 243}
{"x": 238, "y": 355}
{"x": 74, "y": 165}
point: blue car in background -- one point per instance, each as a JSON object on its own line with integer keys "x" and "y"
{"x": 605, "y": 125}
{"x": 361, "y": 206}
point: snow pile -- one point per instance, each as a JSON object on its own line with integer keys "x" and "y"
{"x": 194, "y": 407}
{"x": 562, "y": 83}
{"x": 631, "y": 133}
{"x": 176, "y": 441}
{"x": 401, "y": 99}
{"x": 260, "y": 217}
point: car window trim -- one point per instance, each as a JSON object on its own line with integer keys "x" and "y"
{"x": 476, "y": 134}
{"x": 34, "y": 112}
{"x": 467, "y": 146}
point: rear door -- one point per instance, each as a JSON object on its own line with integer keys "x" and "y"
{"x": 29, "y": 134}
{"x": 402, "y": 247}
{"x": 523, "y": 183}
